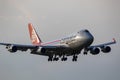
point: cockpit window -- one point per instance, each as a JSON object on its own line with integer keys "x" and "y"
{"x": 86, "y": 30}
{"x": 82, "y": 31}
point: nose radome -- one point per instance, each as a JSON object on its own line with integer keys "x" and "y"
{"x": 90, "y": 38}
{"x": 86, "y": 35}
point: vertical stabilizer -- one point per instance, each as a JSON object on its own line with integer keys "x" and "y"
{"x": 33, "y": 35}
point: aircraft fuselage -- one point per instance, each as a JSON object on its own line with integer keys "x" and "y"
{"x": 79, "y": 40}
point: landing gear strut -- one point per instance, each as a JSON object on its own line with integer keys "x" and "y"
{"x": 75, "y": 58}
{"x": 63, "y": 58}
{"x": 50, "y": 58}
{"x": 55, "y": 58}
{"x": 85, "y": 53}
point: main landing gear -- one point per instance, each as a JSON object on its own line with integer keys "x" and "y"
{"x": 75, "y": 58}
{"x": 51, "y": 58}
{"x": 63, "y": 58}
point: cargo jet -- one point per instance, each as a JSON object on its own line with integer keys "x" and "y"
{"x": 68, "y": 46}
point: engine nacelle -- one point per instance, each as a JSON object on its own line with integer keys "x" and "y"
{"x": 95, "y": 51}
{"x": 11, "y": 48}
{"x": 106, "y": 49}
{"x": 41, "y": 50}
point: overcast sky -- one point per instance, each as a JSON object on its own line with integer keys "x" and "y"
{"x": 54, "y": 19}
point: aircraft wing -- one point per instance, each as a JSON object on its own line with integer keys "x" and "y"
{"x": 95, "y": 48}
{"x": 10, "y": 46}
{"x": 34, "y": 49}
{"x": 104, "y": 44}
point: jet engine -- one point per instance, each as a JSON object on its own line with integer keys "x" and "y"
{"x": 106, "y": 49}
{"x": 94, "y": 51}
{"x": 11, "y": 48}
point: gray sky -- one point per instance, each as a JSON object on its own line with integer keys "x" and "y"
{"x": 54, "y": 19}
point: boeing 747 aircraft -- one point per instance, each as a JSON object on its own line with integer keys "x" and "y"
{"x": 68, "y": 46}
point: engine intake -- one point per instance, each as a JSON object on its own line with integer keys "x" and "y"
{"x": 11, "y": 48}
{"x": 106, "y": 49}
{"x": 95, "y": 51}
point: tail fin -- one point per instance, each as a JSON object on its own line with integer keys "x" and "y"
{"x": 33, "y": 35}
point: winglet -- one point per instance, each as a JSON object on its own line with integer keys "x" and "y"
{"x": 33, "y": 35}
{"x": 114, "y": 40}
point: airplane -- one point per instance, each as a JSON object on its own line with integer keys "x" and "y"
{"x": 68, "y": 46}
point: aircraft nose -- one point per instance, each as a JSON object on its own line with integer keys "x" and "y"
{"x": 90, "y": 38}
{"x": 87, "y": 36}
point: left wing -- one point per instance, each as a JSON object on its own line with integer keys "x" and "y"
{"x": 105, "y": 44}
{"x": 95, "y": 49}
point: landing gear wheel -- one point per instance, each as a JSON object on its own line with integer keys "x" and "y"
{"x": 74, "y": 58}
{"x": 64, "y": 58}
{"x": 85, "y": 53}
{"x": 50, "y": 58}
{"x": 55, "y": 59}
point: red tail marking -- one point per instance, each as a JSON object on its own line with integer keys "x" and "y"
{"x": 33, "y": 35}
